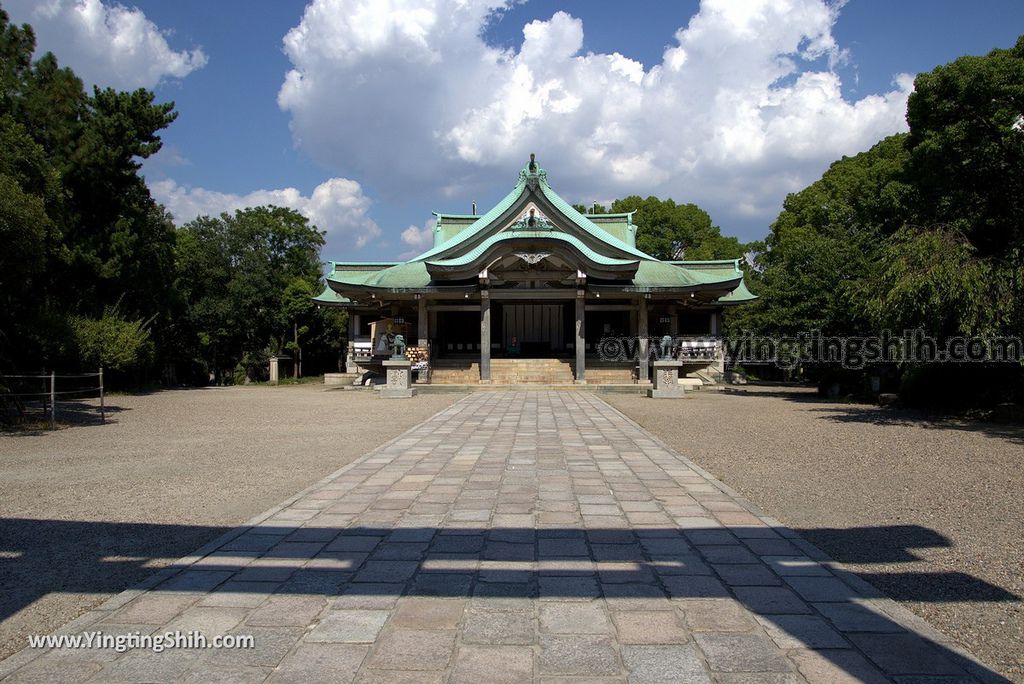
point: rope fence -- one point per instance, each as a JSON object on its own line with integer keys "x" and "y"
{"x": 23, "y": 394}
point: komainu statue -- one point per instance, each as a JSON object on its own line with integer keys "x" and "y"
{"x": 398, "y": 351}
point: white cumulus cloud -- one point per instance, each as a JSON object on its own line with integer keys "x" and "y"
{"x": 744, "y": 106}
{"x": 418, "y": 239}
{"x": 337, "y": 206}
{"x": 107, "y": 44}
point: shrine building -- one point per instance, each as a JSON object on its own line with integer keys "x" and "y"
{"x": 533, "y": 291}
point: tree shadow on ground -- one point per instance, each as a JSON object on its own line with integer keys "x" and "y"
{"x": 892, "y": 417}
{"x": 872, "y": 414}
{"x": 773, "y": 573}
{"x": 76, "y": 413}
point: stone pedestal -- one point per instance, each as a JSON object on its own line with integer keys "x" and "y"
{"x": 340, "y": 379}
{"x": 274, "y": 371}
{"x": 666, "y": 380}
{"x": 399, "y": 385}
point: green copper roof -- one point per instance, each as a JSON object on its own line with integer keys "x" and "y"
{"x": 482, "y": 222}
{"x": 589, "y": 227}
{"x": 649, "y": 274}
{"x": 331, "y": 298}
{"x": 585, "y": 223}
{"x": 619, "y": 225}
{"x": 739, "y": 295}
{"x": 410, "y": 275}
{"x": 721, "y": 267}
{"x": 361, "y": 265}
{"x": 657, "y": 274}
{"x": 719, "y": 263}
{"x": 605, "y": 241}
{"x": 508, "y": 235}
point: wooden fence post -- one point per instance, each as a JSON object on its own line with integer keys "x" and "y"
{"x": 103, "y": 409}
{"x": 53, "y": 400}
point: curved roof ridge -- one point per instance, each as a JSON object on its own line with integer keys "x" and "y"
{"x": 586, "y": 224}
{"x": 480, "y": 249}
{"x": 485, "y": 219}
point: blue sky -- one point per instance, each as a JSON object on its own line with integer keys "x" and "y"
{"x": 395, "y": 109}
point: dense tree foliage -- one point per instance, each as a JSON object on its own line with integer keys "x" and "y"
{"x": 824, "y": 243}
{"x": 94, "y": 272}
{"x": 671, "y": 231}
{"x": 667, "y": 230}
{"x": 80, "y": 229}
{"x": 248, "y": 280}
{"x": 924, "y": 231}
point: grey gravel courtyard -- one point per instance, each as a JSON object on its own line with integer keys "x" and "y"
{"x": 513, "y": 537}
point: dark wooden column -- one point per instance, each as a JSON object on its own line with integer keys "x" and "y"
{"x": 642, "y": 333}
{"x": 581, "y": 339}
{"x": 421, "y": 323}
{"x": 485, "y": 336}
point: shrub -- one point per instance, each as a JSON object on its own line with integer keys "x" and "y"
{"x": 111, "y": 341}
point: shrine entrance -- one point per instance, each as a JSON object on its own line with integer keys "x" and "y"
{"x": 533, "y": 330}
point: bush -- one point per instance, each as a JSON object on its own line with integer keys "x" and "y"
{"x": 112, "y": 342}
{"x": 253, "y": 367}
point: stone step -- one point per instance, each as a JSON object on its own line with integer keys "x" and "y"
{"x": 527, "y": 372}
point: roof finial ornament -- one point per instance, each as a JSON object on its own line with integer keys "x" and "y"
{"x": 532, "y": 175}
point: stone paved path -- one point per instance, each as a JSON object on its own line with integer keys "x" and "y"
{"x": 512, "y": 537}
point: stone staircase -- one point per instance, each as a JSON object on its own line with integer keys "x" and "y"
{"x": 608, "y": 373}
{"x": 454, "y": 372}
{"x": 529, "y": 372}
{"x": 708, "y": 376}
{"x": 504, "y": 372}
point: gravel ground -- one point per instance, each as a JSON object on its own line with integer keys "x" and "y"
{"x": 88, "y": 511}
{"x": 929, "y": 511}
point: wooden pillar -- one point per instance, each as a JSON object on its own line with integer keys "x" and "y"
{"x": 421, "y": 324}
{"x": 485, "y": 336}
{"x": 642, "y": 333}
{"x": 673, "y": 326}
{"x": 581, "y": 339}
{"x": 354, "y": 326}
{"x": 716, "y": 331}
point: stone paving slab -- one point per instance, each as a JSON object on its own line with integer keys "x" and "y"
{"x": 514, "y": 536}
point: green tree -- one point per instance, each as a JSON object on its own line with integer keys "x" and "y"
{"x": 931, "y": 279}
{"x": 297, "y": 307}
{"x": 27, "y": 186}
{"x": 111, "y": 341}
{"x": 248, "y": 279}
{"x": 967, "y": 147}
{"x": 85, "y": 232}
{"x": 825, "y": 241}
{"x": 667, "y": 230}
{"x": 595, "y": 208}
{"x": 922, "y": 231}
{"x": 967, "y": 164}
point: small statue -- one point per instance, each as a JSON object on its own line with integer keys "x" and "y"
{"x": 532, "y": 221}
{"x": 533, "y": 163}
{"x": 399, "y": 348}
{"x": 666, "y": 347}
